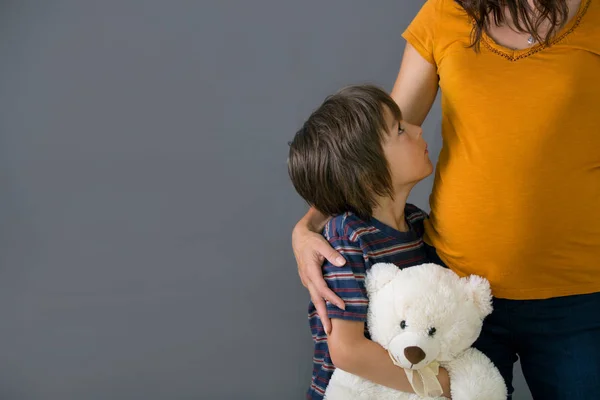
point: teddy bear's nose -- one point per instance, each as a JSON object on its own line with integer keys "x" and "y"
{"x": 414, "y": 354}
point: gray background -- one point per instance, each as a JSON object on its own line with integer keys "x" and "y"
{"x": 146, "y": 212}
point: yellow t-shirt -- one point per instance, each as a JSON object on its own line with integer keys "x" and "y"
{"x": 516, "y": 197}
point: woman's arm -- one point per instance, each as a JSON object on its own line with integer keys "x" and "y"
{"x": 314, "y": 220}
{"x": 416, "y": 86}
{"x": 351, "y": 351}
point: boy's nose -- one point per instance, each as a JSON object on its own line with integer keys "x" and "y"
{"x": 417, "y": 131}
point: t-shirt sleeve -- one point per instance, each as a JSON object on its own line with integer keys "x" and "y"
{"x": 348, "y": 282}
{"x": 421, "y": 32}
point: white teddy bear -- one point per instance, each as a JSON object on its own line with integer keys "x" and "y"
{"x": 426, "y": 316}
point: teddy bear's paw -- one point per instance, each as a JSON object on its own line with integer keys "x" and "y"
{"x": 474, "y": 377}
{"x": 367, "y": 392}
{"x": 346, "y": 386}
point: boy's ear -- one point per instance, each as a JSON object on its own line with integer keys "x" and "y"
{"x": 380, "y": 275}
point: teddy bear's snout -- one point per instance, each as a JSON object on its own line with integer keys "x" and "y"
{"x": 414, "y": 354}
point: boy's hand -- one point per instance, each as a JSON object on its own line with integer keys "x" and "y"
{"x": 310, "y": 250}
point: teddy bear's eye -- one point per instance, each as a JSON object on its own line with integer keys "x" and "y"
{"x": 432, "y": 332}
{"x": 403, "y": 324}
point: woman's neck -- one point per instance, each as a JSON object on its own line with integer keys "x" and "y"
{"x": 573, "y": 6}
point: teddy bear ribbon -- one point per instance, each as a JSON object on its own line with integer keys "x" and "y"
{"x": 424, "y": 381}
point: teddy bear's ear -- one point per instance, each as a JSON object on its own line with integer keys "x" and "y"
{"x": 380, "y": 275}
{"x": 480, "y": 293}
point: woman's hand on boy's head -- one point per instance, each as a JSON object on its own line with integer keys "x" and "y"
{"x": 311, "y": 250}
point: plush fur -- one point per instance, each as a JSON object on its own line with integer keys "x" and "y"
{"x": 425, "y": 297}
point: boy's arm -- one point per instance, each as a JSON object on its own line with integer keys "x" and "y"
{"x": 351, "y": 351}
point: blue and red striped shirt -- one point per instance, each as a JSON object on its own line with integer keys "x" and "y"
{"x": 363, "y": 244}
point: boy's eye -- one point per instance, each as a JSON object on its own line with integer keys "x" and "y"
{"x": 400, "y": 129}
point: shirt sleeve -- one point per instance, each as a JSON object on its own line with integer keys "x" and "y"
{"x": 421, "y": 32}
{"x": 348, "y": 282}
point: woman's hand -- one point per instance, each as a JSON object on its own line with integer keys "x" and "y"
{"x": 311, "y": 250}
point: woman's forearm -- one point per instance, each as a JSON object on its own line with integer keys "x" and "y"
{"x": 314, "y": 220}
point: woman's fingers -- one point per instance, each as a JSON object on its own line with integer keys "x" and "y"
{"x": 310, "y": 250}
{"x": 328, "y": 294}
{"x": 324, "y": 249}
{"x": 321, "y": 308}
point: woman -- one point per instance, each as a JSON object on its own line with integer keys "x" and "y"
{"x": 516, "y": 196}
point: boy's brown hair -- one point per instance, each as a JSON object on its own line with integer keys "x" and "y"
{"x": 336, "y": 160}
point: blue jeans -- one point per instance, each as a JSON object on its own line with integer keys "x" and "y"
{"x": 557, "y": 341}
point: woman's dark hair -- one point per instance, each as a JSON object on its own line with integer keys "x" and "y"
{"x": 486, "y": 12}
{"x": 336, "y": 160}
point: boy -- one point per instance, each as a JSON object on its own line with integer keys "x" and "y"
{"x": 356, "y": 160}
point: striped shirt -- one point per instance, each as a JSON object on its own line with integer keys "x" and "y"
{"x": 362, "y": 243}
